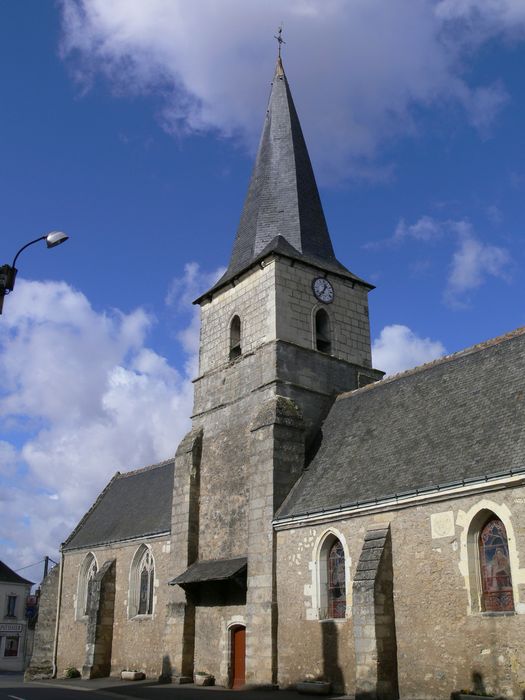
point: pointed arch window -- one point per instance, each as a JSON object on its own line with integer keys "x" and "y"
{"x": 235, "y": 337}
{"x": 336, "y": 585}
{"x": 332, "y": 567}
{"x": 142, "y": 579}
{"x": 323, "y": 340}
{"x": 85, "y": 584}
{"x": 496, "y": 578}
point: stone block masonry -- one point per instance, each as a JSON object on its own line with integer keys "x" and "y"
{"x": 139, "y": 642}
{"x": 277, "y": 303}
{"x": 348, "y": 313}
{"x": 441, "y": 636}
{"x": 276, "y": 460}
{"x": 253, "y": 299}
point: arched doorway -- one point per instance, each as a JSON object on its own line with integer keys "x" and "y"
{"x": 238, "y": 655}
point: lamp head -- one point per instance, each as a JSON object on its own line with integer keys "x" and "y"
{"x": 55, "y": 238}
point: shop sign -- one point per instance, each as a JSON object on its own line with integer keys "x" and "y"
{"x": 9, "y": 627}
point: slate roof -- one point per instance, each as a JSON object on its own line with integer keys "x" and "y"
{"x": 133, "y": 504}
{"x": 211, "y": 570}
{"x": 461, "y": 417}
{"x": 283, "y": 199}
{"x": 7, "y": 575}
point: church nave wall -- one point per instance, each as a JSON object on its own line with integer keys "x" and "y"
{"x": 139, "y": 642}
{"x": 442, "y": 639}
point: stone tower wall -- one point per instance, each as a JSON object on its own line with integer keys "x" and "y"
{"x": 244, "y": 474}
{"x": 253, "y": 300}
{"x": 276, "y": 302}
{"x": 296, "y": 304}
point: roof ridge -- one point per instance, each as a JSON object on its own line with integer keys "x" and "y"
{"x": 491, "y": 342}
{"x": 149, "y": 467}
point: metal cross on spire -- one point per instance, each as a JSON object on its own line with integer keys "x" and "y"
{"x": 279, "y": 38}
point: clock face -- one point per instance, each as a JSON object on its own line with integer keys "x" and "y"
{"x": 323, "y": 290}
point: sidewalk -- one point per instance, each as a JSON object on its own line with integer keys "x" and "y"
{"x": 152, "y": 690}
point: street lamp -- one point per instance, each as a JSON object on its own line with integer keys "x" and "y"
{"x": 8, "y": 272}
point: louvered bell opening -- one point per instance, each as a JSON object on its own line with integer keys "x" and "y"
{"x": 235, "y": 338}
{"x": 322, "y": 332}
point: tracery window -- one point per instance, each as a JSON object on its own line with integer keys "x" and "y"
{"x": 496, "y": 579}
{"x": 142, "y": 580}
{"x": 336, "y": 586}
{"x": 332, "y": 572}
{"x": 323, "y": 341}
{"x": 235, "y": 337}
{"x": 85, "y": 584}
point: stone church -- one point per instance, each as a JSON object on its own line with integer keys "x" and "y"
{"x": 318, "y": 522}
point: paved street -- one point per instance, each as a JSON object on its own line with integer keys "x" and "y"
{"x": 12, "y": 687}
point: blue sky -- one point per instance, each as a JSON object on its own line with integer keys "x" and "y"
{"x": 132, "y": 125}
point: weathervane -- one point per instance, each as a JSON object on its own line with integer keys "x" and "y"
{"x": 279, "y": 38}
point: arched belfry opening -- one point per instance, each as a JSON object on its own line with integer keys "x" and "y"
{"x": 323, "y": 340}
{"x": 235, "y": 337}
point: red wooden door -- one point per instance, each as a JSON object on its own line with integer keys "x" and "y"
{"x": 238, "y": 656}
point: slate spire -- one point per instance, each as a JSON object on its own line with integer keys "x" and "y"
{"x": 282, "y": 212}
{"x": 282, "y": 198}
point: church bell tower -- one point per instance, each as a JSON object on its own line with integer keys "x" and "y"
{"x": 283, "y": 284}
{"x": 283, "y": 332}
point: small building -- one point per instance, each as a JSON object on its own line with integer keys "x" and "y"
{"x": 13, "y": 624}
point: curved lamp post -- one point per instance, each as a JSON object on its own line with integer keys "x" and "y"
{"x": 8, "y": 272}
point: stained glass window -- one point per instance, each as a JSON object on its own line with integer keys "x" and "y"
{"x": 496, "y": 581}
{"x": 336, "y": 581}
{"x": 146, "y": 576}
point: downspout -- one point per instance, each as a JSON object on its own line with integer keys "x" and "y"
{"x": 57, "y": 622}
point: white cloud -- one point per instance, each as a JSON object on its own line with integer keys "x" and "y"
{"x": 425, "y": 229}
{"x": 8, "y": 459}
{"x": 485, "y": 17}
{"x": 357, "y": 69}
{"x": 398, "y": 348}
{"x": 184, "y": 290}
{"x": 181, "y": 294}
{"x": 471, "y": 264}
{"x": 82, "y": 396}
